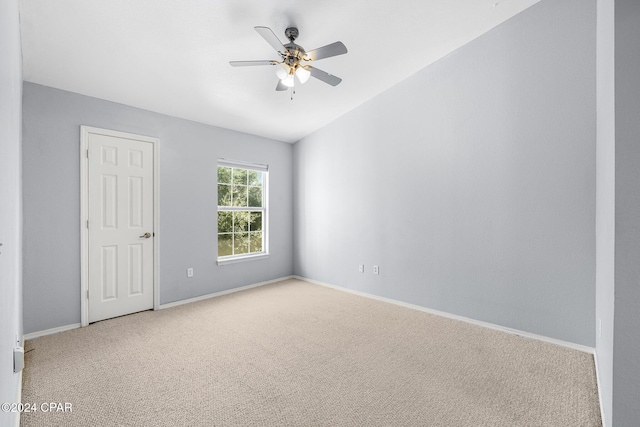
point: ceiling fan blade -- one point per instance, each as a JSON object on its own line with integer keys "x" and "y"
{"x": 280, "y": 86}
{"x": 271, "y": 38}
{"x": 252, "y": 63}
{"x": 333, "y": 49}
{"x": 324, "y": 76}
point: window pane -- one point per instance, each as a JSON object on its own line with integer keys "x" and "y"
{"x": 255, "y": 197}
{"x": 241, "y": 211}
{"x": 256, "y": 242}
{"x": 239, "y": 195}
{"x": 256, "y": 221}
{"x": 225, "y": 222}
{"x": 225, "y": 244}
{"x": 224, "y": 195}
{"x": 254, "y": 177}
{"x": 240, "y": 176}
{"x": 240, "y": 243}
{"x": 224, "y": 175}
{"x": 240, "y": 221}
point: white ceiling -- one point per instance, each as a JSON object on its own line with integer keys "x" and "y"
{"x": 172, "y": 56}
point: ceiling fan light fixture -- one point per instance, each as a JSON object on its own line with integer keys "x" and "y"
{"x": 290, "y": 67}
{"x": 288, "y": 81}
{"x": 282, "y": 72}
{"x": 303, "y": 74}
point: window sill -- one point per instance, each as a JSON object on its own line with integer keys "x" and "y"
{"x": 234, "y": 260}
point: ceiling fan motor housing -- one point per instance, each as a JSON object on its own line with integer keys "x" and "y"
{"x": 291, "y": 33}
{"x": 295, "y": 53}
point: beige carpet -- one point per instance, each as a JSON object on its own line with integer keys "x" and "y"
{"x": 298, "y": 354}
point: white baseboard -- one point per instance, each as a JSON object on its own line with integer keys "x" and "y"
{"x": 33, "y": 335}
{"x": 488, "y": 325}
{"x": 219, "y": 294}
{"x": 595, "y": 361}
{"x": 561, "y": 343}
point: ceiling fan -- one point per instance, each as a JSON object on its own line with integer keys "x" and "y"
{"x": 294, "y": 59}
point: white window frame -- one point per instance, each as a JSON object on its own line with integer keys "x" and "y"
{"x": 232, "y": 259}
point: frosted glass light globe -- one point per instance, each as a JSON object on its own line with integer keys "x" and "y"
{"x": 303, "y": 74}
{"x": 282, "y": 72}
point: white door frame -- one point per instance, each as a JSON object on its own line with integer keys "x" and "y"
{"x": 85, "y": 131}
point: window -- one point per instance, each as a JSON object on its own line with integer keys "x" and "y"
{"x": 242, "y": 211}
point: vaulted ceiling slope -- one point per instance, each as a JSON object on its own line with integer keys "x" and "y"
{"x": 172, "y": 56}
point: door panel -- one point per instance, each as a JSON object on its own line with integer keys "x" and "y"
{"x": 136, "y": 267}
{"x": 120, "y": 212}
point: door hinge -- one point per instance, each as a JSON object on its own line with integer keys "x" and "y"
{"x": 87, "y": 154}
{"x": 87, "y": 223}
{"x": 87, "y": 293}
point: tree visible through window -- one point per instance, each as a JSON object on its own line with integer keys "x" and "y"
{"x": 241, "y": 211}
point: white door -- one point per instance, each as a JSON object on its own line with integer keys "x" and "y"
{"x": 120, "y": 193}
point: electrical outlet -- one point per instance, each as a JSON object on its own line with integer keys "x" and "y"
{"x": 376, "y": 269}
{"x": 361, "y": 268}
{"x": 189, "y": 272}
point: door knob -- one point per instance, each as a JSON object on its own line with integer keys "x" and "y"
{"x": 146, "y": 235}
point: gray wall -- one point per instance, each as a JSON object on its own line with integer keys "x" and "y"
{"x": 605, "y": 202}
{"x": 471, "y": 184}
{"x": 626, "y": 355}
{"x": 10, "y": 203}
{"x": 188, "y": 154}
